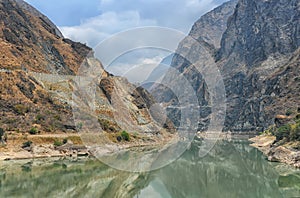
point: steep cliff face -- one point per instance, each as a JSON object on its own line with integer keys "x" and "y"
{"x": 33, "y": 95}
{"x": 214, "y": 23}
{"x": 259, "y": 59}
{"x": 259, "y": 29}
{"x": 203, "y": 41}
{"x": 255, "y": 44}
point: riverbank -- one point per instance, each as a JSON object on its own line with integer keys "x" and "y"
{"x": 71, "y": 145}
{"x": 24, "y": 146}
{"x": 277, "y": 153}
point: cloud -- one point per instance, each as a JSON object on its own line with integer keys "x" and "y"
{"x": 93, "y": 30}
{"x": 136, "y": 73}
{"x": 140, "y": 61}
{"x": 119, "y": 15}
{"x": 179, "y": 14}
{"x": 67, "y": 12}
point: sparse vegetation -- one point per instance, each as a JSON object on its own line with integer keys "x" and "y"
{"x": 289, "y": 112}
{"x": 39, "y": 118}
{"x": 108, "y": 126}
{"x": 21, "y": 109}
{"x": 104, "y": 124}
{"x": 79, "y": 126}
{"x": 270, "y": 130}
{"x": 295, "y": 132}
{"x": 282, "y": 132}
{"x": 57, "y": 117}
{"x": 287, "y": 132}
{"x": 1, "y": 134}
{"x": 135, "y": 135}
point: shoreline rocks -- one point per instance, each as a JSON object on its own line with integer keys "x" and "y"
{"x": 282, "y": 154}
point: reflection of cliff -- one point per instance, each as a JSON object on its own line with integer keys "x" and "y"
{"x": 229, "y": 170}
{"x": 65, "y": 179}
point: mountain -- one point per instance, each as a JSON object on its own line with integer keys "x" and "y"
{"x": 255, "y": 45}
{"x": 43, "y": 78}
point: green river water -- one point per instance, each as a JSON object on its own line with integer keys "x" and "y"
{"x": 231, "y": 169}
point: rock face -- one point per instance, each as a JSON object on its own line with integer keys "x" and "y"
{"x": 214, "y": 23}
{"x": 32, "y": 95}
{"x": 257, "y": 53}
{"x": 259, "y": 59}
{"x": 259, "y": 29}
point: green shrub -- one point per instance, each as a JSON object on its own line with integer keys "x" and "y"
{"x": 65, "y": 141}
{"x": 58, "y": 143}
{"x": 33, "y": 131}
{"x": 125, "y": 136}
{"x": 282, "y": 132}
{"x": 26, "y": 144}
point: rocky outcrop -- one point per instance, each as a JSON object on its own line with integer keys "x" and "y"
{"x": 274, "y": 153}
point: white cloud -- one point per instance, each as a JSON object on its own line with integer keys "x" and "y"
{"x": 137, "y": 65}
{"x": 95, "y": 29}
{"x": 136, "y": 73}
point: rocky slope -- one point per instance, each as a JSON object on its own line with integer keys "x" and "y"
{"x": 34, "y": 98}
{"x": 29, "y": 40}
{"x": 255, "y": 45}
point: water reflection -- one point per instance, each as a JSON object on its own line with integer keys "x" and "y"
{"x": 231, "y": 169}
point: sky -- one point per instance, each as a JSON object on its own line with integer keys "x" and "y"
{"x": 92, "y": 21}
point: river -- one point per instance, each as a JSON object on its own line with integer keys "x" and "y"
{"x": 231, "y": 169}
